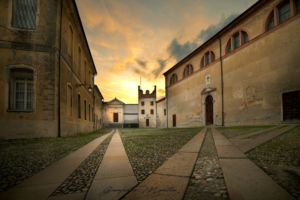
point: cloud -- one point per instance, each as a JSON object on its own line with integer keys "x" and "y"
{"x": 141, "y": 63}
{"x": 180, "y": 50}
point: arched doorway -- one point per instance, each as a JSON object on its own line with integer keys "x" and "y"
{"x": 209, "y": 110}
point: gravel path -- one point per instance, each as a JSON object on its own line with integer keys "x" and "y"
{"x": 207, "y": 181}
{"x": 81, "y": 179}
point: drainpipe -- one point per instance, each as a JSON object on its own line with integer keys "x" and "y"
{"x": 167, "y": 108}
{"x": 59, "y": 73}
{"x": 222, "y": 81}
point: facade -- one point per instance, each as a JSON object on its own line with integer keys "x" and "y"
{"x": 118, "y": 114}
{"x": 147, "y": 108}
{"x": 161, "y": 110}
{"x": 98, "y": 120}
{"x": 248, "y": 73}
{"x": 46, "y": 70}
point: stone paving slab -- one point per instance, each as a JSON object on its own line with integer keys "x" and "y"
{"x": 245, "y": 180}
{"x": 160, "y": 187}
{"x": 115, "y": 176}
{"x": 249, "y": 144}
{"x": 42, "y": 184}
{"x": 171, "y": 179}
{"x": 244, "y": 136}
{"x": 75, "y": 196}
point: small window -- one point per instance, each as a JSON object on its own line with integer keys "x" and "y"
{"x": 297, "y": 6}
{"x": 89, "y": 112}
{"x": 69, "y": 99}
{"x": 142, "y": 112}
{"x": 151, "y": 111}
{"x": 236, "y": 40}
{"x": 142, "y": 103}
{"x": 245, "y": 37}
{"x": 116, "y": 117}
{"x": 70, "y": 41}
{"x": 85, "y": 109}
{"x": 228, "y": 46}
{"x": 165, "y": 112}
{"x": 270, "y": 22}
{"x": 24, "y": 14}
{"x": 284, "y": 11}
{"x": 21, "y": 90}
{"x": 152, "y": 103}
{"x": 79, "y": 60}
{"x": 188, "y": 70}
{"x": 173, "y": 79}
{"x": 208, "y": 58}
{"x": 79, "y": 106}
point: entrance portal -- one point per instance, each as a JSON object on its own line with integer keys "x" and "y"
{"x": 209, "y": 110}
{"x": 147, "y": 122}
{"x": 291, "y": 105}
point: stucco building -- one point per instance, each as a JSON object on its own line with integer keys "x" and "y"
{"x": 247, "y": 73}
{"x": 46, "y": 70}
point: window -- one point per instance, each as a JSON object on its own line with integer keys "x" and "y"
{"x": 79, "y": 106}
{"x": 208, "y": 58}
{"x": 69, "y": 100}
{"x": 270, "y": 21}
{"x": 142, "y": 103}
{"x": 152, "y": 103}
{"x": 297, "y": 5}
{"x": 89, "y": 112}
{"x": 151, "y": 111}
{"x": 173, "y": 79}
{"x": 21, "y": 89}
{"x": 79, "y": 60}
{"x": 284, "y": 11}
{"x": 142, "y": 112}
{"x": 237, "y": 40}
{"x": 116, "y": 117}
{"x": 70, "y": 41}
{"x": 24, "y": 14}
{"x": 188, "y": 70}
{"x": 165, "y": 112}
{"x": 85, "y": 109}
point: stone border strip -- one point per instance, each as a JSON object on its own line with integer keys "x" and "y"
{"x": 42, "y": 184}
{"x": 171, "y": 179}
{"x": 115, "y": 176}
{"x": 243, "y": 178}
{"x": 246, "y": 145}
{"x": 248, "y": 135}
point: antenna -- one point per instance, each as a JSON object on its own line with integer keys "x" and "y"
{"x": 141, "y": 81}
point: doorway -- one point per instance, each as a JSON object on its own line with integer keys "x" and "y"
{"x": 209, "y": 110}
{"x": 291, "y": 105}
{"x": 174, "y": 120}
{"x": 147, "y": 122}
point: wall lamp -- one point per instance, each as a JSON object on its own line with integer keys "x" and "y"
{"x": 90, "y": 89}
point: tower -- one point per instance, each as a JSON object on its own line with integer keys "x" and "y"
{"x": 147, "y": 108}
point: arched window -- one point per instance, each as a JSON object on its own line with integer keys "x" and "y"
{"x": 70, "y": 41}
{"x": 208, "y": 58}
{"x": 270, "y": 22}
{"x": 173, "y": 79}
{"x": 21, "y": 92}
{"x": 297, "y": 6}
{"x": 188, "y": 70}
{"x": 236, "y": 41}
{"x": 79, "y": 61}
{"x": 284, "y": 11}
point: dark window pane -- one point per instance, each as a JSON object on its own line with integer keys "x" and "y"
{"x": 228, "y": 47}
{"x": 245, "y": 37}
{"x": 270, "y": 22}
{"x": 284, "y": 12}
{"x": 236, "y": 41}
{"x": 24, "y": 14}
{"x": 297, "y": 2}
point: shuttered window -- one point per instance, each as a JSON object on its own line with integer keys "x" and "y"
{"x": 24, "y": 14}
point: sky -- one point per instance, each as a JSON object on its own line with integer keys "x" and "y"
{"x": 136, "y": 41}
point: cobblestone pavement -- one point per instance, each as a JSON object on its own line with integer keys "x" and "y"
{"x": 207, "y": 181}
{"x": 81, "y": 179}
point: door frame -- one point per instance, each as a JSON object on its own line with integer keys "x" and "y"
{"x": 213, "y": 94}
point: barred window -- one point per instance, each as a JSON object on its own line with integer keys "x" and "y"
{"x": 24, "y": 14}
{"x": 21, "y": 90}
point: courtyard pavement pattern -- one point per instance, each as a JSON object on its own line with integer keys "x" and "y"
{"x": 115, "y": 178}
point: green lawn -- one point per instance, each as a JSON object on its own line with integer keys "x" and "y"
{"x": 233, "y": 131}
{"x": 280, "y": 158}
{"x": 21, "y": 158}
{"x": 147, "y": 149}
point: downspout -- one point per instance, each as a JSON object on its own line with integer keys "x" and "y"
{"x": 59, "y": 76}
{"x": 167, "y": 108}
{"x": 222, "y": 81}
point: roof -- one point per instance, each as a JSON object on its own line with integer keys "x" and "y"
{"x": 160, "y": 100}
{"x": 97, "y": 90}
{"x": 237, "y": 20}
{"x": 82, "y": 29}
{"x": 115, "y": 100}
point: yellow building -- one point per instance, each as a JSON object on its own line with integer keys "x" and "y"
{"x": 46, "y": 70}
{"x": 247, "y": 73}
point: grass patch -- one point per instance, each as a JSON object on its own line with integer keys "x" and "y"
{"x": 21, "y": 158}
{"x": 280, "y": 159}
{"x": 147, "y": 149}
{"x": 234, "y": 131}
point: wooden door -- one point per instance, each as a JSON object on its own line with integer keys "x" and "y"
{"x": 147, "y": 122}
{"x": 116, "y": 117}
{"x": 209, "y": 110}
{"x": 291, "y": 105}
{"x": 174, "y": 120}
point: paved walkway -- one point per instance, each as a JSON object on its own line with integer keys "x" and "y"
{"x": 252, "y": 134}
{"x": 41, "y": 185}
{"x": 248, "y": 144}
{"x": 171, "y": 179}
{"x": 115, "y": 176}
{"x": 243, "y": 178}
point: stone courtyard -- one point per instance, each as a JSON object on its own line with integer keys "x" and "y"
{"x": 198, "y": 163}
